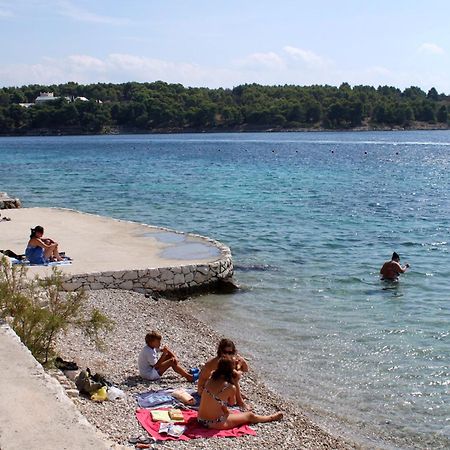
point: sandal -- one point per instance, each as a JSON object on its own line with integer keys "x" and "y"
{"x": 141, "y": 439}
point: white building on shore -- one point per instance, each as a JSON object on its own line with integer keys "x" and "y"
{"x": 44, "y": 97}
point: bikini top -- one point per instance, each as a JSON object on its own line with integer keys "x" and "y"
{"x": 215, "y": 396}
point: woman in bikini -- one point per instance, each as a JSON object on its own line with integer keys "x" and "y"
{"x": 218, "y": 393}
{"x": 41, "y": 250}
{"x": 225, "y": 349}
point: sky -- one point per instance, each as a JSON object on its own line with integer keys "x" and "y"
{"x": 217, "y": 43}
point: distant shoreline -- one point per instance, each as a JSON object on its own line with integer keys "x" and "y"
{"x": 75, "y": 131}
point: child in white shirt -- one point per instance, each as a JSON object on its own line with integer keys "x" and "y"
{"x": 151, "y": 367}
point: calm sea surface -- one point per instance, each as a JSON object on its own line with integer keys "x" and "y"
{"x": 310, "y": 218}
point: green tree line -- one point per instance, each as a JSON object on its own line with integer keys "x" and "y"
{"x": 159, "y": 106}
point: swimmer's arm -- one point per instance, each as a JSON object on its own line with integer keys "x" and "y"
{"x": 402, "y": 269}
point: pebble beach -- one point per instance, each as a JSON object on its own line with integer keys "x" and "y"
{"x": 194, "y": 342}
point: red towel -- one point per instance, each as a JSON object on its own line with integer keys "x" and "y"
{"x": 193, "y": 429}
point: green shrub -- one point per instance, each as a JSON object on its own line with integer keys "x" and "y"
{"x": 39, "y": 310}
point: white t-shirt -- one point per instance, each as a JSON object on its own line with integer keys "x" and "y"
{"x": 146, "y": 361}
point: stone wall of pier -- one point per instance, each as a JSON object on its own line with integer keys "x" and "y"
{"x": 164, "y": 280}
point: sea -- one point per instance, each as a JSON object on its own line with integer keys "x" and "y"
{"x": 310, "y": 218}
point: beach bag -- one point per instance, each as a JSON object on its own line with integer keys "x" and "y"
{"x": 11, "y": 254}
{"x": 100, "y": 395}
{"x": 85, "y": 384}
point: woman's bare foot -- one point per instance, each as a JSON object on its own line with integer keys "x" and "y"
{"x": 276, "y": 416}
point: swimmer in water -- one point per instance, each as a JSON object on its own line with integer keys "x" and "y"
{"x": 392, "y": 269}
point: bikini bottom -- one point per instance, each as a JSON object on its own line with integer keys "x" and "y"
{"x": 208, "y": 422}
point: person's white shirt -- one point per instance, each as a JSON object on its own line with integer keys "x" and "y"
{"x": 146, "y": 362}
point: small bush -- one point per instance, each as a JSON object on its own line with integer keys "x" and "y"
{"x": 39, "y": 310}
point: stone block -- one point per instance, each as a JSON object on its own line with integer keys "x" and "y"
{"x": 119, "y": 274}
{"x": 161, "y": 287}
{"x": 203, "y": 269}
{"x": 178, "y": 279}
{"x": 106, "y": 280}
{"x": 72, "y": 392}
{"x": 127, "y": 285}
{"x": 152, "y": 284}
{"x": 199, "y": 278}
{"x": 70, "y": 286}
{"x": 166, "y": 274}
{"x": 131, "y": 275}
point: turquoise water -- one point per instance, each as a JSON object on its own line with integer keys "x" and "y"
{"x": 310, "y": 218}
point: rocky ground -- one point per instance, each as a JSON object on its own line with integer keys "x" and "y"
{"x": 193, "y": 342}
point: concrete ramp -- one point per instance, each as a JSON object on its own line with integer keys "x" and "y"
{"x": 35, "y": 412}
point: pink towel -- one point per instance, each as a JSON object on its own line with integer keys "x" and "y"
{"x": 193, "y": 429}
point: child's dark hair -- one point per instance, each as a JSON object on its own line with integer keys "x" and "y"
{"x": 149, "y": 337}
{"x": 225, "y": 370}
{"x": 223, "y": 344}
{"x": 36, "y": 229}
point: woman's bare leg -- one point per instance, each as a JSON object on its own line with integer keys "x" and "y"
{"x": 56, "y": 254}
{"x": 243, "y": 418}
{"x": 52, "y": 253}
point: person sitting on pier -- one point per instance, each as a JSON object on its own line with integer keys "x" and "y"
{"x": 41, "y": 250}
{"x": 225, "y": 349}
{"x": 151, "y": 368}
{"x": 218, "y": 393}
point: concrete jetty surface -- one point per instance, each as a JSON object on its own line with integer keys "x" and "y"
{"x": 100, "y": 244}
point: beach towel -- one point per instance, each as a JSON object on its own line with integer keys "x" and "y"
{"x": 64, "y": 262}
{"x": 154, "y": 398}
{"x": 193, "y": 429}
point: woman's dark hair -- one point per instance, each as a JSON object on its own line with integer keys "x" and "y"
{"x": 223, "y": 344}
{"x": 225, "y": 369}
{"x": 36, "y": 229}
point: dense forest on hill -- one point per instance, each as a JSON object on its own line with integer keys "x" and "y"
{"x": 163, "y": 107}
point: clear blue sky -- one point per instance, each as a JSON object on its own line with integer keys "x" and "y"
{"x": 225, "y": 43}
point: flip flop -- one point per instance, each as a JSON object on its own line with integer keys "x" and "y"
{"x": 195, "y": 376}
{"x": 141, "y": 439}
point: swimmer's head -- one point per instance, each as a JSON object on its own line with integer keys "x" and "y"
{"x": 395, "y": 257}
